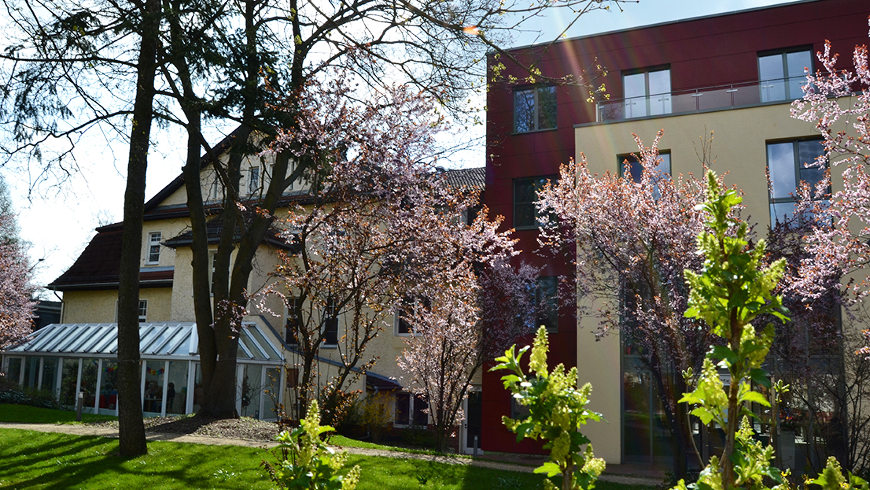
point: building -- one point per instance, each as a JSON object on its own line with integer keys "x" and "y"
{"x": 734, "y": 74}
{"x": 78, "y": 353}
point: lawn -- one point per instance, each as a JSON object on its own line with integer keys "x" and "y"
{"x": 40, "y": 460}
{"x": 37, "y": 415}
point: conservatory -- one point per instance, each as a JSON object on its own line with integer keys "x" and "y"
{"x": 65, "y": 359}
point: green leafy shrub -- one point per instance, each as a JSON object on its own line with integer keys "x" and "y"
{"x": 12, "y": 392}
{"x": 733, "y": 289}
{"x": 306, "y": 461}
{"x": 557, "y": 411}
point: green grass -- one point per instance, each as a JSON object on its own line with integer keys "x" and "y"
{"x": 37, "y": 415}
{"x": 41, "y": 460}
{"x": 343, "y": 441}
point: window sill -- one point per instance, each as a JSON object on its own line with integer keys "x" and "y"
{"x": 519, "y": 133}
{"x": 329, "y": 346}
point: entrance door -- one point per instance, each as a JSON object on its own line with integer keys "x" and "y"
{"x": 471, "y": 425}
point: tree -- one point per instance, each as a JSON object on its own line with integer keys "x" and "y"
{"x": 131, "y": 428}
{"x": 633, "y": 241}
{"x": 16, "y": 307}
{"x": 452, "y": 340}
{"x": 218, "y": 61}
{"x": 557, "y": 412}
{"x": 436, "y": 48}
{"x": 380, "y": 225}
{"x": 837, "y": 101}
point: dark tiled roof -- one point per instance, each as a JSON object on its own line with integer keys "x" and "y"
{"x": 214, "y": 227}
{"x": 466, "y": 177}
{"x": 98, "y": 265}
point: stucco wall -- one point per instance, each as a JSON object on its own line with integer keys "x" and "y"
{"x": 739, "y": 148}
{"x": 99, "y": 306}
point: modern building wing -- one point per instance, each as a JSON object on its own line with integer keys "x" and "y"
{"x": 735, "y": 74}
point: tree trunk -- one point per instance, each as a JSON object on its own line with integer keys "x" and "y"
{"x": 131, "y": 428}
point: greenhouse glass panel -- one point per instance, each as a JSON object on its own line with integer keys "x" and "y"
{"x": 176, "y": 391}
{"x": 271, "y": 395}
{"x": 68, "y": 381}
{"x": 153, "y": 399}
{"x": 90, "y": 367}
{"x": 251, "y": 390}
{"x": 13, "y": 371}
{"x": 49, "y": 375}
{"x": 31, "y": 372}
{"x": 109, "y": 388}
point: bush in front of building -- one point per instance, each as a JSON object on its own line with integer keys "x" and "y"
{"x": 305, "y": 460}
{"x": 12, "y": 392}
{"x": 557, "y": 412}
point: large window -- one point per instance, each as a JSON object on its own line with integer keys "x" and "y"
{"x": 534, "y": 109}
{"x": 525, "y": 194}
{"x": 782, "y": 73}
{"x": 153, "y": 256}
{"x": 636, "y": 169}
{"x": 547, "y": 303}
{"x": 407, "y": 308}
{"x": 647, "y": 92}
{"x": 787, "y": 167}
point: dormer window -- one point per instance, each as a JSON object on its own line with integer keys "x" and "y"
{"x": 153, "y": 251}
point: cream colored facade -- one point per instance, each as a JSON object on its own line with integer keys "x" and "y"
{"x": 175, "y": 303}
{"x": 739, "y": 152}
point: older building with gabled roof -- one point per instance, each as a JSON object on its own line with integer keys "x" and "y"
{"x": 78, "y": 354}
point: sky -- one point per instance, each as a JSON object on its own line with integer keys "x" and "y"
{"x": 59, "y": 221}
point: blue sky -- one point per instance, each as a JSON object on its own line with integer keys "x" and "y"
{"x": 59, "y": 223}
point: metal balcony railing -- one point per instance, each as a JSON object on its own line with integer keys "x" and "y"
{"x": 702, "y": 99}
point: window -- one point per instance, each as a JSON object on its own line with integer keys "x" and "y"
{"x": 534, "y": 109}
{"x": 406, "y": 309}
{"x": 411, "y": 410}
{"x": 292, "y": 322}
{"x": 330, "y": 324}
{"x": 647, "y": 92}
{"x": 782, "y": 73}
{"x": 636, "y": 169}
{"x": 786, "y": 167}
{"x": 518, "y": 410}
{"x": 547, "y": 303}
{"x": 143, "y": 310}
{"x": 253, "y": 179}
{"x": 525, "y": 194}
{"x": 403, "y": 409}
{"x": 212, "y": 259}
{"x": 153, "y": 254}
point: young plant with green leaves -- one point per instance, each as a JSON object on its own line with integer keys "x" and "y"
{"x": 732, "y": 289}
{"x": 557, "y": 411}
{"x": 306, "y": 461}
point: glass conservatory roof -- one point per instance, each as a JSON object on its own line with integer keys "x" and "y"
{"x": 155, "y": 340}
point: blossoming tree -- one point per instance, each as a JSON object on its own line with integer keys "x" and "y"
{"x": 631, "y": 242}
{"x": 837, "y": 101}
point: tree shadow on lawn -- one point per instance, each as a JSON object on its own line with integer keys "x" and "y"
{"x": 83, "y": 461}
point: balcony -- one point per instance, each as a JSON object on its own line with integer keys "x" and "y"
{"x": 702, "y": 99}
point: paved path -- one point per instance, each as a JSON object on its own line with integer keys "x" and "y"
{"x": 92, "y": 430}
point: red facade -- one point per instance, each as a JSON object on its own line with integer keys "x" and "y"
{"x": 702, "y": 52}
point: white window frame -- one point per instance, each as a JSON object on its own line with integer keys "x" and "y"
{"x": 647, "y": 106}
{"x": 143, "y": 310}
{"x": 153, "y": 247}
